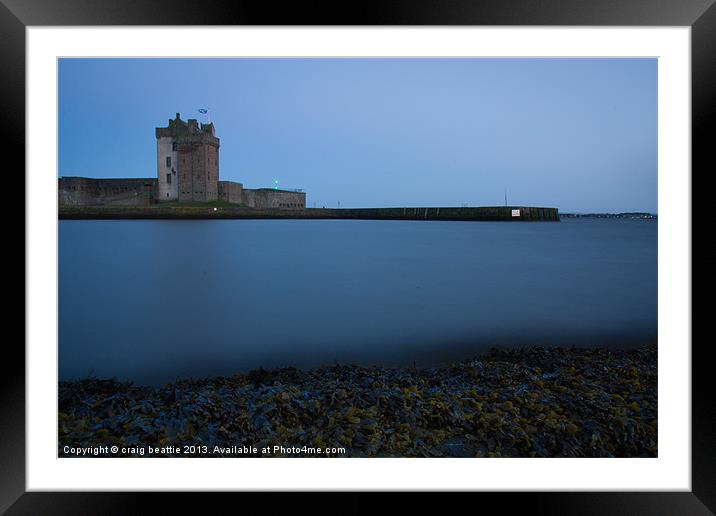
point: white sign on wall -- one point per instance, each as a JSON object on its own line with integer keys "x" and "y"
{"x": 515, "y": 213}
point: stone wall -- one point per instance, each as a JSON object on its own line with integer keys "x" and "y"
{"x": 85, "y": 191}
{"x": 198, "y": 176}
{"x": 229, "y": 191}
{"x": 270, "y": 198}
{"x": 483, "y": 213}
{"x": 209, "y": 212}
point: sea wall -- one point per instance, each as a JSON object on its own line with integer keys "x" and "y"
{"x": 497, "y": 213}
{"x": 485, "y": 213}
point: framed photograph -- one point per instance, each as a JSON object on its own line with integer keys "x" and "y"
{"x": 425, "y": 249}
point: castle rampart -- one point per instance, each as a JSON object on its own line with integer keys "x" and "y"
{"x": 85, "y": 191}
{"x": 187, "y": 171}
{"x": 272, "y": 198}
{"x": 229, "y": 191}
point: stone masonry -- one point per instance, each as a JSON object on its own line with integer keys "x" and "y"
{"x": 187, "y": 161}
{"x": 85, "y": 191}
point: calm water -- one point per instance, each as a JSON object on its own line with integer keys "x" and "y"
{"x": 153, "y": 300}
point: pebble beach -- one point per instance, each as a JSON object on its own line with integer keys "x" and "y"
{"x": 529, "y": 402}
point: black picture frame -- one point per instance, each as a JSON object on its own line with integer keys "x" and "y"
{"x": 700, "y": 15}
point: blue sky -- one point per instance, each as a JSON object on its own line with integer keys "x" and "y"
{"x": 577, "y": 134}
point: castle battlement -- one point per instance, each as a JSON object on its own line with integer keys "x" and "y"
{"x": 189, "y": 131}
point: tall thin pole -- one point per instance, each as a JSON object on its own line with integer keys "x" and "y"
{"x": 505, "y": 196}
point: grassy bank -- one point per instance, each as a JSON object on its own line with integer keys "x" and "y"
{"x": 194, "y": 204}
{"x": 510, "y": 403}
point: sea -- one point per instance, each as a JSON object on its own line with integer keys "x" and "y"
{"x": 151, "y": 301}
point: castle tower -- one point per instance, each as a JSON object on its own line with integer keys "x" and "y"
{"x": 187, "y": 161}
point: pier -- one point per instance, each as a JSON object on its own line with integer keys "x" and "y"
{"x": 483, "y": 213}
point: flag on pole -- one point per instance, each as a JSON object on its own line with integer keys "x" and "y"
{"x": 203, "y": 111}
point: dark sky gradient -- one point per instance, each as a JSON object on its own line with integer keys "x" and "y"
{"x": 577, "y": 134}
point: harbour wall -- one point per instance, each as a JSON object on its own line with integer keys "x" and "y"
{"x": 485, "y": 213}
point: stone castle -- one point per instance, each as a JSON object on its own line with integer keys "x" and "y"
{"x": 187, "y": 171}
{"x": 187, "y": 161}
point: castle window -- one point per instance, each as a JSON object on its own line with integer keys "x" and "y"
{"x": 169, "y": 179}
{"x": 169, "y": 161}
{"x": 174, "y": 146}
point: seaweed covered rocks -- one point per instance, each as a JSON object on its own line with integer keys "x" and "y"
{"x": 533, "y": 402}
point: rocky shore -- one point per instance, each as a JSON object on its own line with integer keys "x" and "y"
{"x": 534, "y": 402}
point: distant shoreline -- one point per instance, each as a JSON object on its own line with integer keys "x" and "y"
{"x": 624, "y": 215}
{"x": 222, "y": 211}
